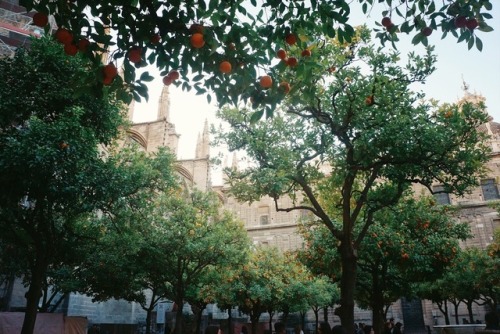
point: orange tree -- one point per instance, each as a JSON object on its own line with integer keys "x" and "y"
{"x": 225, "y": 46}
{"x": 411, "y": 243}
{"x": 174, "y": 242}
{"x": 360, "y": 129}
{"x": 267, "y": 283}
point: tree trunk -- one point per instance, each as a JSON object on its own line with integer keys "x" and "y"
{"x": 325, "y": 314}
{"x": 230, "y": 321}
{"x": 347, "y": 283}
{"x": 148, "y": 321}
{"x": 446, "y": 315}
{"x": 316, "y": 319}
{"x": 178, "y": 317}
{"x": 33, "y": 295}
{"x": 254, "y": 319}
{"x": 378, "y": 316}
{"x": 469, "y": 309}
{"x": 271, "y": 315}
{"x": 378, "y": 302}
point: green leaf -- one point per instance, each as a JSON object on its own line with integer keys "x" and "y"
{"x": 471, "y": 43}
{"x": 479, "y": 44}
{"x": 417, "y": 38}
{"x": 256, "y": 116}
{"x": 146, "y": 77}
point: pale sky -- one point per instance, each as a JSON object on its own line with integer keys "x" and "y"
{"x": 455, "y": 64}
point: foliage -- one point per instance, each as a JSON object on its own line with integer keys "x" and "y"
{"x": 51, "y": 169}
{"x": 270, "y": 282}
{"x": 172, "y": 243}
{"x": 352, "y": 142}
{"x": 245, "y": 33}
{"x": 410, "y": 243}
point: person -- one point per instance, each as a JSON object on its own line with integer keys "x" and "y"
{"x": 324, "y": 328}
{"x": 338, "y": 329}
{"x": 298, "y": 329}
{"x": 398, "y": 328}
{"x": 244, "y": 330}
{"x": 388, "y": 327}
{"x": 368, "y": 329}
{"x": 491, "y": 320}
{"x": 280, "y": 328}
{"x": 212, "y": 329}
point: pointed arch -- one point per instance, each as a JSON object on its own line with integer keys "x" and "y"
{"x": 184, "y": 172}
{"x": 137, "y": 137}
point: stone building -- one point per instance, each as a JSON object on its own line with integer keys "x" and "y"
{"x": 264, "y": 225}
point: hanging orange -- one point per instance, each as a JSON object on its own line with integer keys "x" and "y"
{"x": 197, "y": 40}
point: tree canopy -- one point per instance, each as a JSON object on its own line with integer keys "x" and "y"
{"x": 225, "y": 47}
{"x": 351, "y": 144}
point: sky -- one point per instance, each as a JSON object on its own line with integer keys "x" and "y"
{"x": 455, "y": 65}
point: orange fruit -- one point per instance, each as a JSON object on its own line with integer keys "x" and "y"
{"x": 281, "y": 54}
{"x": 70, "y": 49}
{"x": 110, "y": 70}
{"x": 167, "y": 81}
{"x": 369, "y": 100}
{"x": 174, "y": 75}
{"x": 134, "y": 55}
{"x": 107, "y": 81}
{"x": 225, "y": 67}
{"x": 284, "y": 87}
{"x": 40, "y": 19}
{"x": 197, "y": 40}
{"x": 291, "y": 39}
{"x": 306, "y": 53}
{"x": 83, "y": 44}
{"x": 64, "y": 36}
{"x": 292, "y": 61}
{"x": 155, "y": 39}
{"x": 266, "y": 81}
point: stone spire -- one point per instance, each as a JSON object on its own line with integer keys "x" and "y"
{"x": 164, "y": 105}
{"x": 234, "y": 164}
{"x": 203, "y": 144}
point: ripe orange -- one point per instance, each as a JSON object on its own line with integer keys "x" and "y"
{"x": 110, "y": 70}
{"x": 174, "y": 75}
{"x": 369, "y": 100}
{"x": 107, "y": 81}
{"x": 306, "y": 53}
{"x": 332, "y": 69}
{"x": 291, "y": 39}
{"x": 64, "y": 36}
{"x": 134, "y": 55}
{"x": 83, "y": 44}
{"x": 155, "y": 39}
{"x": 70, "y": 49}
{"x": 292, "y": 61}
{"x": 40, "y": 19}
{"x": 284, "y": 87}
{"x": 197, "y": 40}
{"x": 225, "y": 67}
{"x": 281, "y": 54}
{"x": 266, "y": 81}
{"x": 167, "y": 81}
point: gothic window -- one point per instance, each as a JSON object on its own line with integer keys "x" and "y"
{"x": 440, "y": 197}
{"x": 490, "y": 190}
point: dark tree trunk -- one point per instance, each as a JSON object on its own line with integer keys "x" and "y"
{"x": 325, "y": 314}
{"x": 469, "y": 310}
{"x": 378, "y": 313}
{"x": 254, "y": 319}
{"x": 178, "y": 329}
{"x": 347, "y": 283}
{"x": 33, "y": 295}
